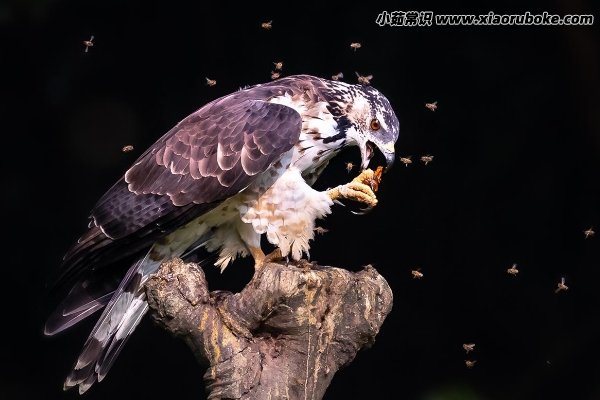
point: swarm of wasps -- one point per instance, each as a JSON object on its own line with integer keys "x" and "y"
{"x": 278, "y": 67}
{"x": 426, "y": 159}
{"x": 469, "y": 347}
{"x": 560, "y": 287}
{"x": 407, "y": 160}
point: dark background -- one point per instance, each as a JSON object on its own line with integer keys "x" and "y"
{"x": 516, "y": 140}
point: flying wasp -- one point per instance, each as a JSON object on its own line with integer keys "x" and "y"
{"x": 88, "y": 43}
{"x": 432, "y": 106}
{"x": 406, "y": 160}
{"x": 364, "y": 80}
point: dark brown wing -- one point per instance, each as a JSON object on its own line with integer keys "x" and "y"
{"x": 209, "y": 156}
{"x": 212, "y": 153}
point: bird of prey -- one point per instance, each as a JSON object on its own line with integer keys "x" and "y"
{"x": 240, "y": 167}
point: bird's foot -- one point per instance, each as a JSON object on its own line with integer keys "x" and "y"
{"x": 360, "y": 189}
{"x": 305, "y": 265}
{"x": 273, "y": 256}
{"x": 261, "y": 259}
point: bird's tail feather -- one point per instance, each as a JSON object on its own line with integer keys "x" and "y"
{"x": 90, "y": 294}
{"x": 122, "y": 314}
{"x": 64, "y": 318}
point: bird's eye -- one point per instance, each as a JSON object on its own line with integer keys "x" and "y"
{"x": 375, "y": 125}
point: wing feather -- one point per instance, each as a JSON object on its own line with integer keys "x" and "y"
{"x": 209, "y": 156}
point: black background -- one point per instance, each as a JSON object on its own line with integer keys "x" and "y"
{"x": 516, "y": 141}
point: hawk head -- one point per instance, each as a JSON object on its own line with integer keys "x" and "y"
{"x": 367, "y": 119}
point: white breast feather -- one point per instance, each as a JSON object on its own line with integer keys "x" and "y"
{"x": 286, "y": 213}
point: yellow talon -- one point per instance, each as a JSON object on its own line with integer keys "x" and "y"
{"x": 360, "y": 189}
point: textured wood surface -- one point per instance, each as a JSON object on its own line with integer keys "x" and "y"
{"x": 284, "y": 336}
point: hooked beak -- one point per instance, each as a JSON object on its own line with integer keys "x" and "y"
{"x": 367, "y": 151}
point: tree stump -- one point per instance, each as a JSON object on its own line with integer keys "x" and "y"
{"x": 283, "y": 336}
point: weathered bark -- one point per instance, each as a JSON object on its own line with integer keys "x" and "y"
{"x": 283, "y": 336}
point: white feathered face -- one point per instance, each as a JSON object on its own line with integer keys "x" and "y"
{"x": 373, "y": 125}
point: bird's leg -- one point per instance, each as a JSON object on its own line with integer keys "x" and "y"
{"x": 359, "y": 189}
{"x": 258, "y": 255}
{"x": 261, "y": 259}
